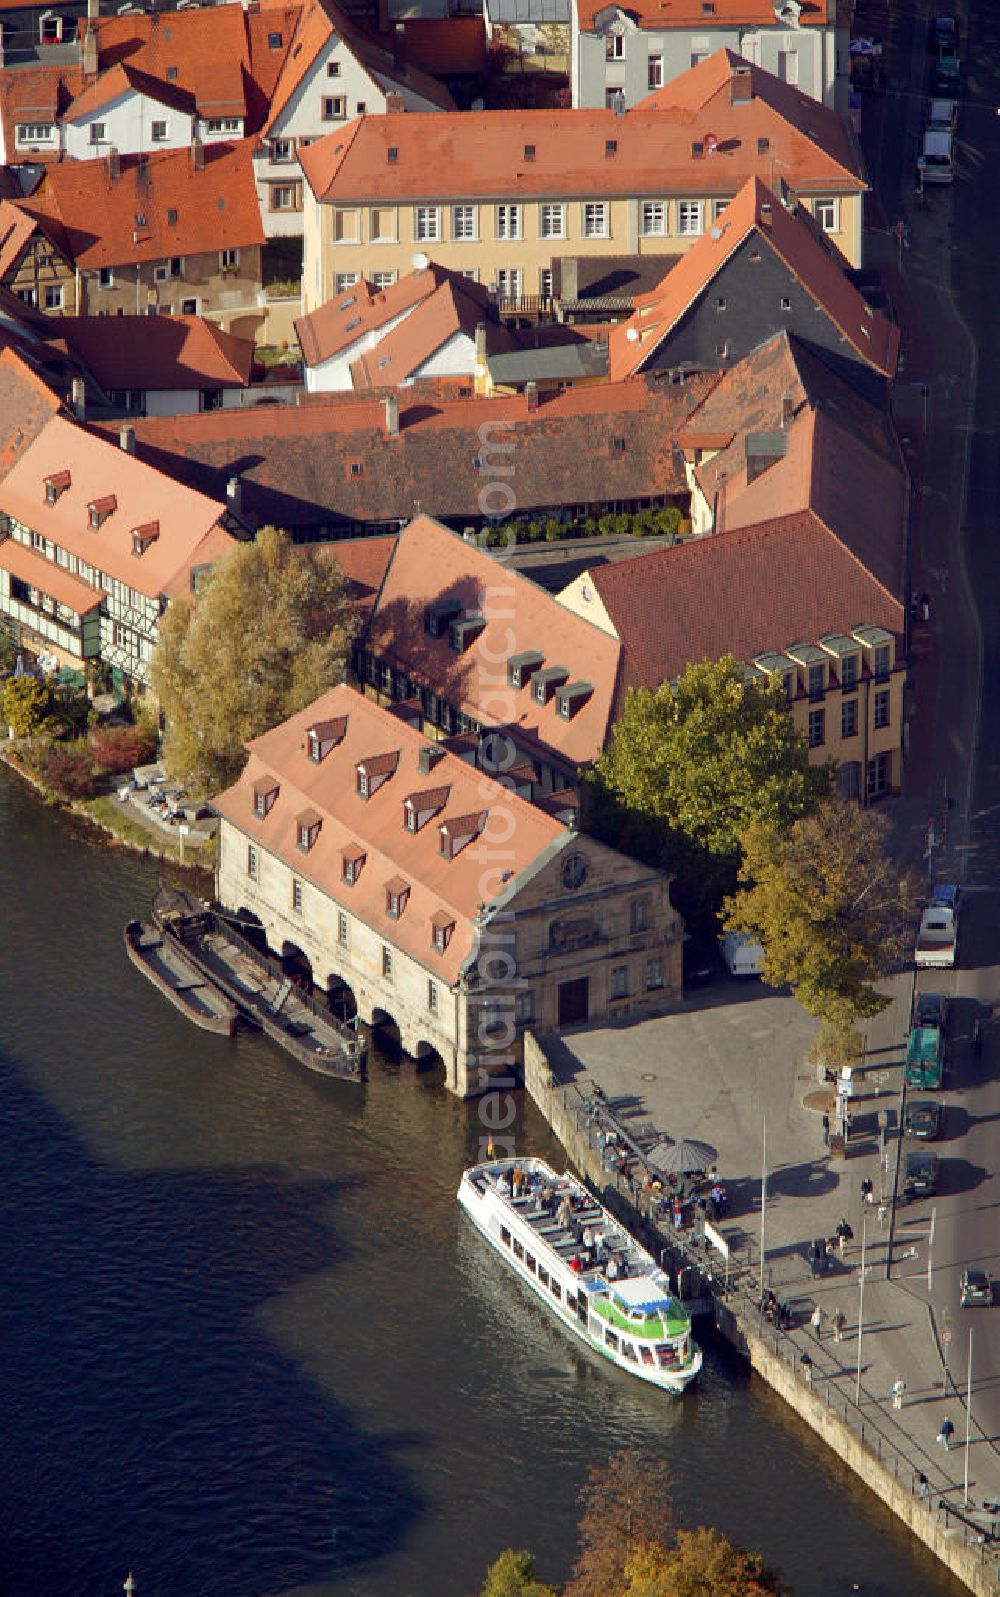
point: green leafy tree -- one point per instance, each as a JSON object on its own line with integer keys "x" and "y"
{"x": 269, "y": 631}
{"x": 513, "y": 1575}
{"x": 831, "y": 908}
{"x": 28, "y": 704}
{"x": 701, "y": 1563}
{"x": 690, "y": 765}
{"x": 626, "y": 1506}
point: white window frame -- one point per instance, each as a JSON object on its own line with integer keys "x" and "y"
{"x": 690, "y": 218}
{"x": 225, "y": 124}
{"x": 333, "y": 115}
{"x": 344, "y": 281}
{"x": 279, "y": 189}
{"x": 282, "y": 151}
{"x": 162, "y": 137}
{"x": 35, "y": 132}
{"x": 595, "y": 219}
{"x": 229, "y": 259}
{"x": 508, "y": 221}
{"x": 654, "y": 72}
{"x": 546, "y": 284}
{"x": 460, "y": 216}
{"x": 551, "y": 219}
{"x": 57, "y": 290}
{"x": 98, "y": 132}
{"x": 649, "y": 212}
{"x": 824, "y": 207}
{"x": 510, "y": 282}
{"x": 614, "y": 47}
{"x": 383, "y": 280}
{"x": 788, "y": 66}
{"x": 427, "y": 224}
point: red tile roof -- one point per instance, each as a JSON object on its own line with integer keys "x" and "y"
{"x": 443, "y": 891}
{"x": 456, "y": 308}
{"x": 763, "y": 588}
{"x": 158, "y": 352}
{"x": 32, "y": 94}
{"x": 185, "y": 211}
{"x": 362, "y": 309}
{"x": 189, "y": 533}
{"x": 450, "y": 47}
{"x": 202, "y": 52}
{"x": 666, "y": 14}
{"x": 126, "y": 79}
{"x": 27, "y": 405}
{"x": 48, "y": 577}
{"x": 432, "y": 564}
{"x": 440, "y": 156}
{"x": 364, "y": 563}
{"x": 296, "y": 464}
{"x": 755, "y": 210}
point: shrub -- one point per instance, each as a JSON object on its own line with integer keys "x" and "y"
{"x": 668, "y": 521}
{"x": 553, "y": 530}
{"x": 534, "y": 532}
{"x": 27, "y": 705}
{"x": 643, "y": 524}
{"x": 118, "y": 748}
{"x": 66, "y": 768}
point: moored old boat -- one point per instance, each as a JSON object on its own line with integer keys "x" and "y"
{"x": 584, "y": 1266}
{"x": 178, "y": 979}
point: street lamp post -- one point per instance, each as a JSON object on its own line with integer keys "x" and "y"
{"x": 861, "y": 1308}
{"x": 968, "y": 1418}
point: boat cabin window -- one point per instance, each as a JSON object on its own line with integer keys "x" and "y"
{"x": 529, "y": 1261}
{"x": 628, "y": 1351}
{"x": 505, "y": 1236}
{"x": 556, "y": 1291}
{"x": 646, "y": 1355}
{"x": 611, "y": 1340}
{"x": 518, "y": 1250}
{"x": 543, "y": 1275}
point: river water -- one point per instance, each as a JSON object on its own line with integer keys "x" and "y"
{"x": 249, "y": 1343}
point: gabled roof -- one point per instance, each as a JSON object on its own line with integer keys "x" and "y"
{"x": 321, "y": 22}
{"x": 755, "y": 211}
{"x": 203, "y": 52}
{"x": 126, "y": 79}
{"x": 449, "y": 47}
{"x": 432, "y": 565}
{"x": 364, "y": 563}
{"x": 189, "y": 530}
{"x": 359, "y": 311}
{"x": 33, "y": 94}
{"x": 455, "y": 309}
{"x": 664, "y": 15}
{"x": 158, "y": 352}
{"x": 27, "y": 405}
{"x": 749, "y": 592}
{"x": 443, "y": 892}
{"x": 331, "y": 462}
{"x": 588, "y": 153}
{"x": 185, "y": 210}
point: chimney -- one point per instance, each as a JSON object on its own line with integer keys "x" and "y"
{"x": 93, "y": 9}
{"x": 427, "y": 758}
{"x": 197, "y": 155}
{"x": 741, "y": 85}
{"x": 383, "y": 16}
{"x": 79, "y": 399}
{"x": 234, "y": 496}
{"x": 126, "y": 438}
{"x": 399, "y": 48}
{"x": 531, "y": 396}
{"x": 765, "y": 213}
{"x": 391, "y": 406}
{"x": 394, "y": 103}
{"x": 114, "y": 164}
{"x": 480, "y": 343}
{"x": 89, "y": 57}
{"x": 787, "y": 411}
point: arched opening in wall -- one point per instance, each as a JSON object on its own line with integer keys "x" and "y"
{"x": 340, "y": 998}
{"x": 428, "y": 1059}
{"x": 297, "y": 966}
{"x": 386, "y": 1034}
{"x": 251, "y": 927}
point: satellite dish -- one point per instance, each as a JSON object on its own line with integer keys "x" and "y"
{"x": 421, "y": 261}
{"x": 586, "y": 593}
{"x": 632, "y": 334}
{"x": 715, "y": 232}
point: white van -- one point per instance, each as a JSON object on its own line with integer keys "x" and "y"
{"x": 934, "y": 162}
{"x": 742, "y": 953}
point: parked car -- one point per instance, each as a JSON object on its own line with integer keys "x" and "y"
{"x": 943, "y": 33}
{"x": 931, "y": 1009}
{"x": 742, "y": 953}
{"x": 920, "y": 1179}
{"x": 942, "y": 116}
{"x": 935, "y": 163}
{"x": 922, "y": 1119}
{"x": 947, "y": 73}
{"x": 975, "y": 1289}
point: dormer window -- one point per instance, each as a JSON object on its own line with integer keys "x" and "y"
{"x": 849, "y": 671}
{"x": 99, "y": 510}
{"x": 521, "y": 667}
{"x": 439, "y": 616}
{"x": 55, "y": 485}
{"x": 264, "y": 794}
{"x": 464, "y": 631}
{"x": 420, "y": 808}
{"x": 459, "y": 830}
{"x": 397, "y": 891}
{"x": 324, "y": 736}
{"x": 371, "y": 774}
{"x": 572, "y": 698}
{"x": 143, "y": 536}
{"x": 545, "y": 682}
{"x": 442, "y": 927}
{"x": 352, "y": 863}
{"x": 307, "y": 827}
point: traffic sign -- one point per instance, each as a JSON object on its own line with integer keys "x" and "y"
{"x": 946, "y": 1336}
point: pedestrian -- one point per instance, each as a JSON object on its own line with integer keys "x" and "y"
{"x": 923, "y": 1486}
{"x": 816, "y": 1321}
{"x": 925, "y": 606}
{"x": 826, "y": 1131}
{"x": 946, "y": 1433}
{"x": 883, "y": 1214}
{"x": 839, "y": 1322}
{"x": 898, "y": 1388}
{"x": 867, "y": 1191}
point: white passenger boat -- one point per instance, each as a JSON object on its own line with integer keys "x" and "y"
{"x": 584, "y": 1266}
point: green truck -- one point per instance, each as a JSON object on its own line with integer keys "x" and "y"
{"x": 925, "y": 1057}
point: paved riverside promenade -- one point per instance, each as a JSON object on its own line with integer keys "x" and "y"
{"x": 730, "y": 1069}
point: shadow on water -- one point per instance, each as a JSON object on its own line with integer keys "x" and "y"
{"x": 136, "y": 1390}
